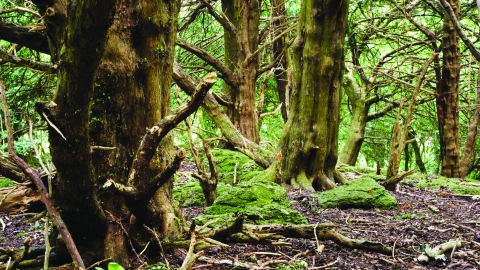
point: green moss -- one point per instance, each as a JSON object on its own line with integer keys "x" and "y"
{"x": 5, "y": 182}
{"x": 191, "y": 194}
{"x": 260, "y": 202}
{"x": 360, "y": 193}
{"x": 226, "y": 162}
{"x": 453, "y": 184}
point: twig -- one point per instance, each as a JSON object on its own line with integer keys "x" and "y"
{"x": 53, "y": 126}
{"x": 99, "y": 262}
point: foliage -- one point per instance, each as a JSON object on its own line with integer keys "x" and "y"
{"x": 112, "y": 266}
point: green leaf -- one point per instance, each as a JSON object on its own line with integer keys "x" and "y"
{"x": 115, "y": 266}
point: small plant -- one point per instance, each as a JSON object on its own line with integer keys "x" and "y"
{"x": 157, "y": 266}
{"x": 297, "y": 265}
{"x": 404, "y": 216}
{"x": 112, "y": 266}
{"x": 21, "y": 234}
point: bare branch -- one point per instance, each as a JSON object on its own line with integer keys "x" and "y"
{"x": 35, "y": 40}
{"x": 221, "y": 18}
{"x": 226, "y": 73}
{"x": 153, "y": 137}
{"x": 5, "y": 57}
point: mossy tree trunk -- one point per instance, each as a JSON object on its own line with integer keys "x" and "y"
{"x": 115, "y": 62}
{"x": 309, "y": 143}
{"x": 447, "y": 98}
{"x": 353, "y": 143}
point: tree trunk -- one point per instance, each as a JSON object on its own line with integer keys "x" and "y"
{"x": 353, "y": 144}
{"x": 472, "y": 134}
{"x": 447, "y": 98}
{"x": 108, "y": 93}
{"x": 280, "y": 54}
{"x": 239, "y": 47}
{"x": 418, "y": 155}
{"x": 309, "y": 144}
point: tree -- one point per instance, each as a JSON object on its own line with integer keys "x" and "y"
{"x": 113, "y": 61}
{"x": 309, "y": 144}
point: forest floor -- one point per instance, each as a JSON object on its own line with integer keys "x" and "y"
{"x": 424, "y": 218}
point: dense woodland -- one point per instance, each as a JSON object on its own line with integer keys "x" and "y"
{"x": 105, "y": 99}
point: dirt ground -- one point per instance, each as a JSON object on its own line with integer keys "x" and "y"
{"x": 424, "y": 218}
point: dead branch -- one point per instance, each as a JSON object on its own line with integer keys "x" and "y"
{"x": 153, "y": 137}
{"x": 5, "y": 57}
{"x": 54, "y": 214}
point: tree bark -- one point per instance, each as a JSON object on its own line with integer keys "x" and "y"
{"x": 239, "y": 47}
{"x": 447, "y": 97}
{"x": 309, "y": 143}
{"x": 108, "y": 93}
{"x": 280, "y": 54}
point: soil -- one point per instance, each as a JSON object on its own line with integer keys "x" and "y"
{"x": 424, "y": 218}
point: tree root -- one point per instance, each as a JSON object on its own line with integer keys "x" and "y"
{"x": 269, "y": 234}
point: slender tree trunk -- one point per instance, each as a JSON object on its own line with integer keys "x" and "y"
{"x": 245, "y": 16}
{"x": 280, "y": 54}
{"x": 418, "y": 155}
{"x": 472, "y": 134}
{"x": 353, "y": 144}
{"x": 447, "y": 98}
{"x": 309, "y": 144}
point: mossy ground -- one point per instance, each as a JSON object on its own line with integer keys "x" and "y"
{"x": 457, "y": 186}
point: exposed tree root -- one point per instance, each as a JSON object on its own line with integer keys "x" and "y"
{"x": 270, "y": 234}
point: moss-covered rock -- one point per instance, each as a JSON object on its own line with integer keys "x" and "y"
{"x": 191, "y": 193}
{"x": 226, "y": 161}
{"x": 359, "y": 193}
{"x": 260, "y": 202}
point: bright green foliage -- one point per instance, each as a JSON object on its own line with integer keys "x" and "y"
{"x": 112, "y": 266}
{"x": 359, "y": 193}
{"x": 260, "y": 203}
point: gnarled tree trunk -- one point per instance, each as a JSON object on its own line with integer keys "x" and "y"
{"x": 309, "y": 144}
{"x": 115, "y": 62}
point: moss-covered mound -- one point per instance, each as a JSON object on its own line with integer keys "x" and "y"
{"x": 362, "y": 193}
{"x": 191, "y": 193}
{"x": 226, "y": 161}
{"x": 259, "y": 202}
